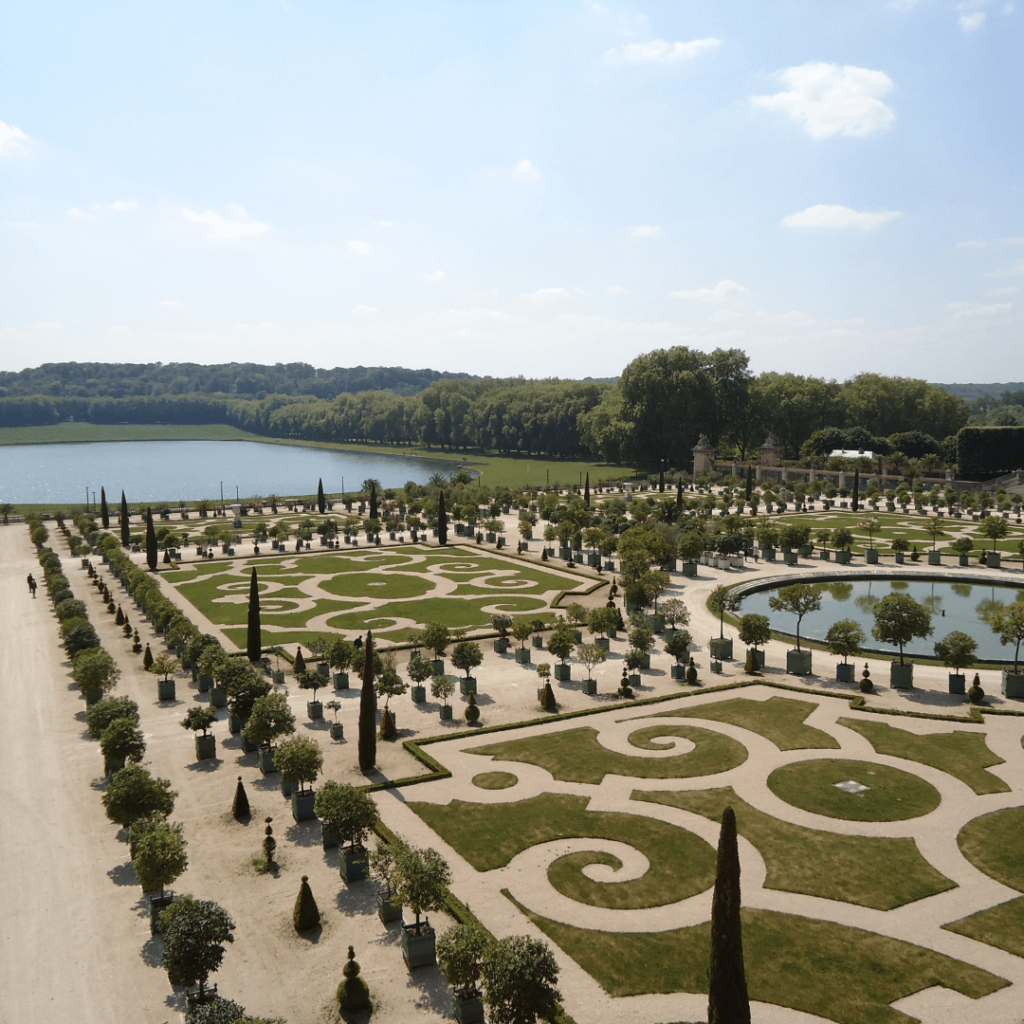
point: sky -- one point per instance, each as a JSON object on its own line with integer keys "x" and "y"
{"x": 515, "y": 188}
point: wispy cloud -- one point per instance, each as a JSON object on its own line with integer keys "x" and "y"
{"x": 828, "y": 100}
{"x": 525, "y": 171}
{"x": 97, "y": 209}
{"x": 357, "y": 248}
{"x": 658, "y": 51}
{"x": 221, "y": 228}
{"x": 437, "y": 275}
{"x": 979, "y": 309}
{"x": 544, "y": 295}
{"x": 645, "y": 231}
{"x": 719, "y": 293}
{"x": 982, "y": 243}
{"x": 972, "y": 22}
{"x": 1009, "y": 290}
{"x": 364, "y": 310}
{"x": 12, "y": 139}
{"x": 831, "y": 216}
{"x": 123, "y": 206}
{"x": 46, "y": 325}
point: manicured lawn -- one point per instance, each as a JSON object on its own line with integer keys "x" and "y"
{"x": 1001, "y": 926}
{"x": 780, "y": 720}
{"x": 495, "y": 780}
{"x": 843, "y": 974}
{"x": 964, "y": 755}
{"x": 880, "y": 873}
{"x": 577, "y": 756}
{"x": 992, "y": 843}
{"x": 390, "y": 585}
{"x": 490, "y": 835}
{"x": 892, "y": 795}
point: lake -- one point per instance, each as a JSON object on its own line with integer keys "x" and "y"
{"x": 953, "y": 606}
{"x": 172, "y": 471}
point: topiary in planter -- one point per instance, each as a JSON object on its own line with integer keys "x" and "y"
{"x": 691, "y": 673}
{"x": 388, "y": 729}
{"x": 547, "y": 700}
{"x": 240, "y": 804}
{"x": 353, "y": 993}
{"x": 866, "y": 686}
{"x": 472, "y": 713}
{"x": 306, "y": 914}
{"x": 976, "y": 695}
{"x": 752, "y": 666}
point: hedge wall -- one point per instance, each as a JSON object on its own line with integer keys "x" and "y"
{"x": 984, "y": 452}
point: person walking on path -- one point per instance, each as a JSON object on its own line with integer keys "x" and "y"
{"x": 31, "y": 585}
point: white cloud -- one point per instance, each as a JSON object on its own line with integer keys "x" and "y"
{"x": 170, "y": 303}
{"x": 972, "y": 22}
{"x": 437, "y": 275}
{"x": 617, "y": 289}
{"x": 11, "y": 139}
{"x": 831, "y": 100}
{"x": 1009, "y": 290}
{"x": 222, "y": 228}
{"x": 76, "y": 214}
{"x": 544, "y": 295}
{"x": 525, "y": 171}
{"x": 645, "y": 231}
{"x": 357, "y": 248}
{"x": 658, "y": 51}
{"x": 719, "y": 293}
{"x": 96, "y": 210}
{"x": 364, "y": 310}
{"x": 124, "y": 206}
{"x": 826, "y": 215}
{"x": 979, "y": 309}
{"x": 385, "y": 223}
{"x": 46, "y": 325}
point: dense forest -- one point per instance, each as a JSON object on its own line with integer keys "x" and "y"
{"x": 652, "y": 417}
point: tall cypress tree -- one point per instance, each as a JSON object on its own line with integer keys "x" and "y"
{"x": 150, "y": 541}
{"x": 104, "y": 510}
{"x": 727, "y": 983}
{"x": 253, "y": 636}
{"x": 750, "y": 482}
{"x": 442, "y": 520}
{"x": 856, "y": 490}
{"x": 368, "y": 711}
{"x": 679, "y": 496}
{"x": 373, "y": 501}
{"x": 661, "y": 482}
{"x": 586, "y": 491}
{"x": 125, "y": 535}
{"x": 321, "y": 501}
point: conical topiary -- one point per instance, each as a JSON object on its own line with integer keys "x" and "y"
{"x": 147, "y": 658}
{"x": 388, "y": 728}
{"x": 547, "y": 700}
{"x": 300, "y": 661}
{"x": 306, "y": 913}
{"x": 472, "y": 710}
{"x": 240, "y": 805}
{"x": 353, "y": 993}
{"x": 119, "y": 617}
{"x": 752, "y": 666}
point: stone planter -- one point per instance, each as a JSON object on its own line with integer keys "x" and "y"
{"x": 957, "y": 683}
{"x": 206, "y": 747}
{"x": 562, "y": 672}
{"x": 901, "y": 677}
{"x": 468, "y": 1009}
{"x": 218, "y": 697}
{"x": 721, "y": 648}
{"x": 418, "y": 949}
{"x": 267, "y": 760}
{"x": 871, "y": 556}
{"x": 165, "y": 689}
{"x": 302, "y": 804}
{"x": 844, "y": 557}
{"x": 289, "y": 784}
{"x": 603, "y": 643}
{"x": 337, "y": 731}
{"x": 1012, "y": 684}
{"x": 341, "y": 680}
{"x": 993, "y": 559}
{"x": 798, "y": 663}
{"x": 523, "y": 655}
{"x": 935, "y": 558}
{"x": 387, "y": 909}
{"x": 205, "y": 683}
{"x": 467, "y": 685}
{"x": 589, "y": 687}
{"x": 354, "y": 864}
{"x": 501, "y": 646}
{"x": 418, "y": 694}
{"x": 846, "y": 672}
{"x": 314, "y": 709}
{"x": 446, "y": 712}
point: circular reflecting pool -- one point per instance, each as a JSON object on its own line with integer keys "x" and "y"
{"x": 961, "y": 606}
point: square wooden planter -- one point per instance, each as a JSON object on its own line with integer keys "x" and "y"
{"x": 846, "y": 672}
{"x": 589, "y": 687}
{"x": 1012, "y": 684}
{"x": 523, "y": 655}
{"x": 721, "y": 649}
{"x": 798, "y": 663}
{"x": 302, "y": 804}
{"x": 206, "y": 747}
{"x": 354, "y": 864}
{"x": 387, "y": 909}
{"x": 901, "y": 677}
{"x": 419, "y": 950}
{"x": 467, "y": 685}
{"x": 341, "y": 680}
{"x": 563, "y": 673}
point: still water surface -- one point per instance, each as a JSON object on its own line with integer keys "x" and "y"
{"x": 959, "y": 606}
{"x": 152, "y": 471}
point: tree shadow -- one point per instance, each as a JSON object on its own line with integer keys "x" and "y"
{"x": 317, "y": 725}
{"x": 100, "y": 784}
{"x": 267, "y": 783}
{"x": 123, "y": 874}
{"x": 208, "y": 764}
{"x": 304, "y": 833}
{"x": 168, "y": 703}
{"x": 312, "y": 935}
{"x": 141, "y": 906}
{"x": 434, "y": 992}
{"x": 357, "y": 899}
{"x": 483, "y": 699}
{"x": 152, "y": 954}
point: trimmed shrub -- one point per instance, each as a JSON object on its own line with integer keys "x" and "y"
{"x": 306, "y": 914}
{"x": 103, "y": 712}
{"x": 353, "y": 993}
{"x": 240, "y": 804}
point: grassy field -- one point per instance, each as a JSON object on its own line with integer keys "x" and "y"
{"x": 992, "y": 843}
{"x": 840, "y": 973}
{"x": 577, "y": 756}
{"x": 892, "y": 795}
{"x": 964, "y": 755}
{"x": 870, "y": 872}
{"x": 490, "y": 835}
{"x": 780, "y": 720}
{"x": 1001, "y": 926}
{"x": 495, "y": 780}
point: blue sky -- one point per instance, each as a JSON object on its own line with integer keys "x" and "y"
{"x": 515, "y": 188}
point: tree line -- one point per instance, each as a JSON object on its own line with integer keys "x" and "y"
{"x": 654, "y": 416}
